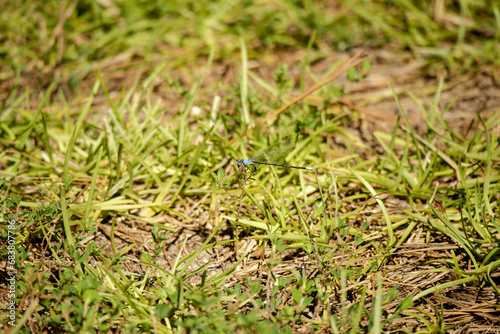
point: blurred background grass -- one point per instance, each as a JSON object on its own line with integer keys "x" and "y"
{"x": 63, "y": 41}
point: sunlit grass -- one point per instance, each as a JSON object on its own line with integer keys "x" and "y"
{"x": 133, "y": 216}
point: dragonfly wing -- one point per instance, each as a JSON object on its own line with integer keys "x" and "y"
{"x": 274, "y": 153}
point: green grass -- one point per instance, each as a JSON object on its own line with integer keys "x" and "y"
{"x": 131, "y": 215}
{"x": 67, "y": 44}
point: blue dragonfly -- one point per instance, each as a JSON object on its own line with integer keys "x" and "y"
{"x": 272, "y": 156}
